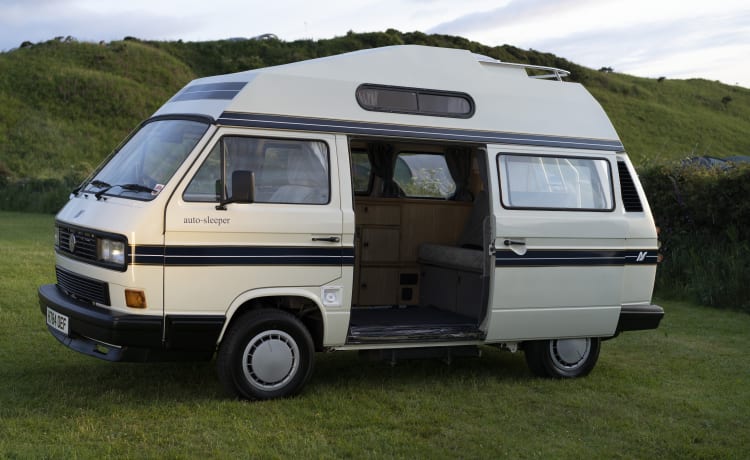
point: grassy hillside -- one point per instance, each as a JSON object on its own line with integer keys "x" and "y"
{"x": 674, "y": 119}
{"x": 64, "y": 105}
{"x": 657, "y": 120}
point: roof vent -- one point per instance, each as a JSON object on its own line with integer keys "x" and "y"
{"x": 630, "y": 198}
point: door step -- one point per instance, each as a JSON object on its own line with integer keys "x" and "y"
{"x": 413, "y": 333}
{"x": 410, "y": 324}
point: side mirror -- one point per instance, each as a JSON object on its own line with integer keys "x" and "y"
{"x": 243, "y": 186}
{"x": 243, "y": 189}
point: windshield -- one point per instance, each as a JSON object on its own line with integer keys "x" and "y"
{"x": 147, "y": 161}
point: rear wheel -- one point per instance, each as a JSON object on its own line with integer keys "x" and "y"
{"x": 265, "y": 354}
{"x": 562, "y": 358}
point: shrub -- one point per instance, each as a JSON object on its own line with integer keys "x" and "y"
{"x": 36, "y": 195}
{"x": 703, "y": 215}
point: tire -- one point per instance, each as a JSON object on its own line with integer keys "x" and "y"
{"x": 562, "y": 358}
{"x": 265, "y": 354}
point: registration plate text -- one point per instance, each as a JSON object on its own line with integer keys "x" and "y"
{"x": 57, "y": 321}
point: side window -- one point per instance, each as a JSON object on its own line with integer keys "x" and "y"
{"x": 361, "y": 172}
{"x": 545, "y": 182}
{"x": 416, "y": 101}
{"x": 286, "y": 171}
{"x": 423, "y": 175}
{"x": 206, "y": 184}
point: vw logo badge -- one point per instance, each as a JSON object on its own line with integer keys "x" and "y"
{"x": 72, "y": 243}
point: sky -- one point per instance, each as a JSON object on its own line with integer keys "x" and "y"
{"x": 648, "y": 38}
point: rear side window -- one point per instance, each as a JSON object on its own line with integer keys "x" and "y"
{"x": 548, "y": 182}
{"x": 285, "y": 170}
{"x": 423, "y": 175}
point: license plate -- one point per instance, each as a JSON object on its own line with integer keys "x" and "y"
{"x": 57, "y": 321}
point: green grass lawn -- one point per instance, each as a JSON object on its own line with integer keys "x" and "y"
{"x": 682, "y": 391}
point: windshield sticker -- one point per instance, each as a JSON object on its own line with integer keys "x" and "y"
{"x": 208, "y": 220}
{"x": 157, "y": 189}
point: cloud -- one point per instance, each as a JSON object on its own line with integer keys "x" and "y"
{"x": 635, "y": 47}
{"x": 676, "y": 39}
{"x": 670, "y": 37}
{"x": 511, "y": 13}
{"x": 52, "y": 18}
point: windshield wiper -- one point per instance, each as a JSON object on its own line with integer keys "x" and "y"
{"x": 106, "y": 187}
{"x": 99, "y": 183}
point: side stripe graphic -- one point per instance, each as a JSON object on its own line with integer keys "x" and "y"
{"x": 239, "y": 255}
{"x": 384, "y": 129}
{"x": 545, "y": 258}
{"x": 225, "y": 91}
{"x": 311, "y": 256}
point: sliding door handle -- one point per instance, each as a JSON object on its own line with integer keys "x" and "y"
{"x": 517, "y": 246}
{"x": 329, "y": 239}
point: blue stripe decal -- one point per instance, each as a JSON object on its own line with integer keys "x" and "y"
{"x": 240, "y": 255}
{"x": 320, "y": 256}
{"x": 226, "y": 90}
{"x": 417, "y": 132}
{"x": 543, "y": 258}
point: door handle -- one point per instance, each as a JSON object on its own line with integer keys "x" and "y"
{"x": 329, "y": 239}
{"x": 517, "y": 246}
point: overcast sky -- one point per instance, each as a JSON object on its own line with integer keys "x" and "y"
{"x": 650, "y": 38}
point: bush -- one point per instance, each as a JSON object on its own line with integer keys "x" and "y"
{"x": 36, "y": 195}
{"x": 703, "y": 215}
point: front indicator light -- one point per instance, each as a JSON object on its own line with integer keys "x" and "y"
{"x": 135, "y": 298}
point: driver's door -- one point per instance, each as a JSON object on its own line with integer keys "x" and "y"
{"x": 288, "y": 238}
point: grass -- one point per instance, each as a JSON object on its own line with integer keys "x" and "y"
{"x": 682, "y": 391}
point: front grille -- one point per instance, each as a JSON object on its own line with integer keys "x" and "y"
{"x": 82, "y": 288}
{"x": 78, "y": 243}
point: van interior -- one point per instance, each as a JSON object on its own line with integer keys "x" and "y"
{"x": 422, "y": 266}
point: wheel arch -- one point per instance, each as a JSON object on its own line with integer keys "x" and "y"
{"x": 299, "y": 302}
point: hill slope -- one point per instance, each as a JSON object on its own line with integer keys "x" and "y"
{"x": 657, "y": 120}
{"x": 64, "y": 105}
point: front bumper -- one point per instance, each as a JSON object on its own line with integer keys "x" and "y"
{"x": 639, "y": 317}
{"x": 116, "y": 336}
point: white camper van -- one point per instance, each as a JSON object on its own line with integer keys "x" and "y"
{"x": 405, "y": 201}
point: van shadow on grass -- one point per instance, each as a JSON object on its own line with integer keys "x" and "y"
{"x": 352, "y": 369}
{"x": 74, "y": 381}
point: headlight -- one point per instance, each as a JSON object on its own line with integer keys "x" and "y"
{"x": 111, "y": 251}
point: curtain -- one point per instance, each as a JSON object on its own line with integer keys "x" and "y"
{"x": 383, "y": 160}
{"x": 320, "y": 150}
{"x": 459, "y": 165}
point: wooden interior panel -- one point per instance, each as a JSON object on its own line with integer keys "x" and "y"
{"x": 380, "y": 212}
{"x": 389, "y": 234}
{"x": 430, "y": 222}
{"x": 378, "y": 286}
{"x": 380, "y": 244}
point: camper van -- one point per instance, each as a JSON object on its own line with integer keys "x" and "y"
{"x": 402, "y": 202}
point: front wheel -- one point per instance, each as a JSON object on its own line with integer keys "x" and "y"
{"x": 562, "y": 358}
{"x": 265, "y": 354}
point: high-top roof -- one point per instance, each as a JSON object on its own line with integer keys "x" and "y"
{"x": 506, "y": 98}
